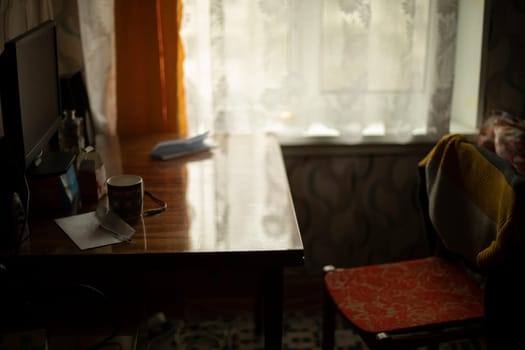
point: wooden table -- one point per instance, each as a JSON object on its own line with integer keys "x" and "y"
{"x": 230, "y": 207}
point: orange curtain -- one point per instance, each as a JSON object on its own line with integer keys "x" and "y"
{"x": 149, "y": 57}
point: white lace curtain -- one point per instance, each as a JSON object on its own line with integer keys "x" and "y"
{"x": 320, "y": 67}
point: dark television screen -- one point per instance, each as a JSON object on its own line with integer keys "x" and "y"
{"x": 30, "y": 91}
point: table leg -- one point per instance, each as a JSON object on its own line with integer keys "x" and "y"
{"x": 273, "y": 308}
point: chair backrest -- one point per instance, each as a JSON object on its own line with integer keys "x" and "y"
{"x": 474, "y": 201}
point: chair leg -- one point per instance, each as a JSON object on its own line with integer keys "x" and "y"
{"x": 258, "y": 314}
{"x": 329, "y": 311}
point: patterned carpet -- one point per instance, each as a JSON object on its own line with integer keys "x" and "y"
{"x": 301, "y": 332}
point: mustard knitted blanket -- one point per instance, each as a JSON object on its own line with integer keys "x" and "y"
{"x": 473, "y": 200}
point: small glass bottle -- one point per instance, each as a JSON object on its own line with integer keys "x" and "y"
{"x": 71, "y": 133}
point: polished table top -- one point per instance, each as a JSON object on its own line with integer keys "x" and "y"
{"x": 229, "y": 205}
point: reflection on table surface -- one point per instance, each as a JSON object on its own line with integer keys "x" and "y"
{"x": 234, "y": 198}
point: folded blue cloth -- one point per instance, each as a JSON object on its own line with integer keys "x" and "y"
{"x": 176, "y": 148}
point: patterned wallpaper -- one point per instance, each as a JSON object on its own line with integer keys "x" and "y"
{"x": 358, "y": 206}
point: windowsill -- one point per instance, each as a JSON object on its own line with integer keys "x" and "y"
{"x": 460, "y": 128}
{"x": 367, "y": 140}
{"x": 366, "y": 144}
{"x": 333, "y": 138}
{"x": 344, "y": 146}
{"x": 353, "y": 141}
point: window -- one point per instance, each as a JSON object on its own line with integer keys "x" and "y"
{"x": 354, "y": 69}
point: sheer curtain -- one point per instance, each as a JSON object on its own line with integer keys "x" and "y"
{"x": 352, "y": 68}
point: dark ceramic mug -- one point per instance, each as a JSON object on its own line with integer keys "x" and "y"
{"x": 126, "y": 196}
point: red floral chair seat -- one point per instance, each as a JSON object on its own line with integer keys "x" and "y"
{"x": 405, "y": 295}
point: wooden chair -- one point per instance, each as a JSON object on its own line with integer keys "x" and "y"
{"x": 470, "y": 199}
